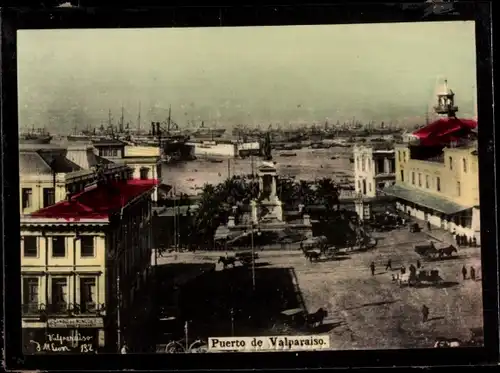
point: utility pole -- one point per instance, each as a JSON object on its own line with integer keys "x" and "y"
{"x": 229, "y": 169}
{"x": 175, "y": 222}
{"x": 251, "y": 160}
{"x": 121, "y": 121}
{"x": 139, "y": 118}
{"x": 118, "y": 315}
{"x": 253, "y": 259}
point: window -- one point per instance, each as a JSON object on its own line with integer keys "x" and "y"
{"x": 438, "y": 184}
{"x": 88, "y": 298}
{"x": 413, "y": 177}
{"x": 399, "y": 156}
{"x": 144, "y": 173}
{"x": 59, "y": 294}
{"x": 58, "y": 246}
{"x": 402, "y": 175}
{"x": 369, "y": 187}
{"x": 406, "y": 156}
{"x": 427, "y": 181}
{"x": 115, "y": 152}
{"x": 87, "y": 246}
{"x": 450, "y": 159}
{"x": 419, "y": 179}
{"x": 464, "y": 164}
{"x": 458, "y": 188}
{"x": 30, "y": 294}
{"x": 358, "y": 162}
{"x": 27, "y": 197}
{"x": 363, "y": 164}
{"x": 380, "y": 166}
{"x": 30, "y": 249}
{"x": 49, "y": 197}
{"x": 359, "y": 185}
{"x": 392, "y": 166}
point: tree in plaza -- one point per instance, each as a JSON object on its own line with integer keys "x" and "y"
{"x": 207, "y": 217}
{"x": 216, "y": 204}
{"x": 305, "y": 193}
{"x": 287, "y": 191}
{"x": 328, "y": 193}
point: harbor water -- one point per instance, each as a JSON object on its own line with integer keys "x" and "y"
{"x": 308, "y": 164}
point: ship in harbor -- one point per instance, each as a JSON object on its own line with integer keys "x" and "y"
{"x": 35, "y": 136}
{"x": 208, "y": 132}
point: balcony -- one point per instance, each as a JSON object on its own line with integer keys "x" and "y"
{"x": 63, "y": 309}
{"x": 32, "y": 309}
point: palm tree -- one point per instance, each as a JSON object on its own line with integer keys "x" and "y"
{"x": 287, "y": 191}
{"x": 328, "y": 193}
{"x": 305, "y": 193}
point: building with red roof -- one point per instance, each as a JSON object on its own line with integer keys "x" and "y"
{"x": 437, "y": 178}
{"x": 86, "y": 262}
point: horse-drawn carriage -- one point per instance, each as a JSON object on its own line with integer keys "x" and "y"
{"x": 415, "y": 228}
{"x": 297, "y": 319}
{"x": 432, "y": 252}
{"x": 245, "y": 258}
{"x": 415, "y": 278}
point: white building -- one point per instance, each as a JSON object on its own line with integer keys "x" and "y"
{"x": 374, "y": 169}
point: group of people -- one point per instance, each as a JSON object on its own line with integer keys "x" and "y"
{"x": 388, "y": 267}
{"x": 472, "y": 273}
{"x": 462, "y": 240}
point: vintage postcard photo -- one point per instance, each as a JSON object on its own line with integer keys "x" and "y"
{"x": 249, "y": 189}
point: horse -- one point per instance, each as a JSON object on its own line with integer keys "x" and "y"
{"x": 227, "y": 261}
{"x": 447, "y": 251}
{"x": 316, "y": 318}
{"x": 312, "y": 255}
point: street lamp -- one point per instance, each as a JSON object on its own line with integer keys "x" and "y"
{"x": 186, "y": 334}
{"x": 232, "y": 321}
{"x": 253, "y": 255}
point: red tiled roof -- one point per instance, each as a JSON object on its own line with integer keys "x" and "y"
{"x": 97, "y": 203}
{"x": 444, "y": 130}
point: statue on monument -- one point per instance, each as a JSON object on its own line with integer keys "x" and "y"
{"x": 267, "y": 148}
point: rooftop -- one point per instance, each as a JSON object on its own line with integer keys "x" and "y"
{"x": 97, "y": 203}
{"x": 36, "y": 147}
{"x": 33, "y": 162}
{"x": 424, "y": 199}
{"x": 108, "y": 142}
{"x": 444, "y": 130}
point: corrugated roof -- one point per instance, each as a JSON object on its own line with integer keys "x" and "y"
{"x": 59, "y": 163}
{"x": 106, "y": 142}
{"x": 444, "y": 130}
{"x": 32, "y": 163}
{"x": 424, "y": 199}
{"x": 98, "y": 202}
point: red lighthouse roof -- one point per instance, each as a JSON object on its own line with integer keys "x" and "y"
{"x": 444, "y": 130}
{"x": 97, "y": 203}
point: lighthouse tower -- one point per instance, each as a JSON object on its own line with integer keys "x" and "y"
{"x": 446, "y": 102}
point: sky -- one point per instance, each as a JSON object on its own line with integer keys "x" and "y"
{"x": 246, "y": 75}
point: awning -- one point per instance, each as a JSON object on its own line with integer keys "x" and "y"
{"x": 424, "y": 199}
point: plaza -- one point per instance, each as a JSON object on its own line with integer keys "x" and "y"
{"x": 364, "y": 311}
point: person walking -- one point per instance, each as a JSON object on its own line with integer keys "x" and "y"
{"x": 124, "y": 349}
{"x": 389, "y": 265}
{"x": 464, "y": 272}
{"x": 472, "y": 274}
{"x": 403, "y": 269}
{"x": 372, "y": 268}
{"x": 425, "y": 313}
{"x": 418, "y": 264}
{"x": 429, "y": 228}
